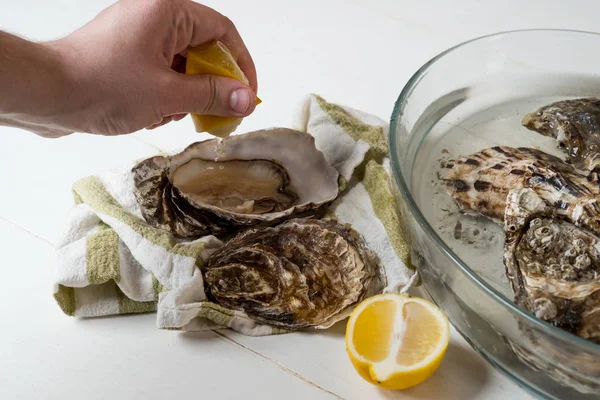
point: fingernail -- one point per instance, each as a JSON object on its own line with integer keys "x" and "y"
{"x": 240, "y": 100}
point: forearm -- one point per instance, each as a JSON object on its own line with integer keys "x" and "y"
{"x": 116, "y": 74}
{"x": 33, "y": 81}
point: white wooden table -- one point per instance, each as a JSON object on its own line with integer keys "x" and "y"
{"x": 356, "y": 52}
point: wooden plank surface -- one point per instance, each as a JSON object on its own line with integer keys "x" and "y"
{"x": 355, "y": 52}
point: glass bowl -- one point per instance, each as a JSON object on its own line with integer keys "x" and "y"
{"x": 468, "y": 98}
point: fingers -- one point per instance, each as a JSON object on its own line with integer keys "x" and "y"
{"x": 178, "y": 117}
{"x": 178, "y": 64}
{"x": 206, "y": 95}
{"x": 166, "y": 120}
{"x": 43, "y": 130}
{"x": 207, "y": 24}
{"x": 236, "y": 45}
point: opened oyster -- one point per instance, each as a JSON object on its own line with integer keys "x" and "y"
{"x": 217, "y": 186}
{"x": 480, "y": 183}
{"x": 575, "y": 124}
{"x": 302, "y": 273}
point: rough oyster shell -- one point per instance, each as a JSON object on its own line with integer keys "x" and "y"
{"x": 216, "y": 186}
{"x": 301, "y": 273}
{"x": 553, "y": 266}
{"x": 480, "y": 183}
{"x": 546, "y": 263}
{"x": 575, "y": 124}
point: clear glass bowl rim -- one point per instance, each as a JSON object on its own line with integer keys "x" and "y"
{"x": 422, "y": 221}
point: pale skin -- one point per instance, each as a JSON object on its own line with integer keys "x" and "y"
{"x": 122, "y": 72}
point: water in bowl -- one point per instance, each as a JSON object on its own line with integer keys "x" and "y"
{"x": 467, "y": 129}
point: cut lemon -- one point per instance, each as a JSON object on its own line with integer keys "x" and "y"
{"x": 396, "y": 341}
{"x": 214, "y": 58}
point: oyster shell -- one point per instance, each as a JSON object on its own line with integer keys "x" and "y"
{"x": 480, "y": 183}
{"x": 575, "y": 124}
{"x": 301, "y": 273}
{"x": 217, "y": 186}
{"x": 553, "y": 266}
{"x": 572, "y": 367}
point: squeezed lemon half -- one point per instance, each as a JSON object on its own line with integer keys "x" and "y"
{"x": 214, "y": 58}
{"x": 396, "y": 341}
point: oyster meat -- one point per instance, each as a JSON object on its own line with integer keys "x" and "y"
{"x": 575, "y": 124}
{"x": 301, "y": 273}
{"x": 217, "y": 186}
{"x": 553, "y": 266}
{"x": 480, "y": 183}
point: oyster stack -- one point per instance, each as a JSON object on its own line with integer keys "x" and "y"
{"x": 554, "y": 269}
{"x": 551, "y": 216}
{"x": 553, "y": 265}
{"x": 263, "y": 192}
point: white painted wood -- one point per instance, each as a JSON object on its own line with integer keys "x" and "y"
{"x": 356, "y": 52}
{"x": 38, "y": 173}
{"x": 317, "y": 356}
{"x": 46, "y": 355}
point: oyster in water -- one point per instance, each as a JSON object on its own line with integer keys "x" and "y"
{"x": 480, "y": 183}
{"x": 575, "y": 124}
{"x": 301, "y": 273}
{"x": 216, "y": 186}
{"x": 553, "y": 266}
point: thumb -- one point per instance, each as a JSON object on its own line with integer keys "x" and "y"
{"x": 208, "y": 95}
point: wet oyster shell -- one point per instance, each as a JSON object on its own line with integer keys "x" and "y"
{"x": 537, "y": 241}
{"x": 572, "y": 367}
{"x": 302, "y": 273}
{"x": 480, "y": 183}
{"x": 217, "y": 186}
{"x": 575, "y": 124}
{"x": 553, "y": 266}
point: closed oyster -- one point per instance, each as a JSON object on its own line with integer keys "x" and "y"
{"x": 575, "y": 124}
{"x": 480, "y": 183}
{"x": 553, "y": 266}
{"x": 301, "y": 273}
{"x": 216, "y": 186}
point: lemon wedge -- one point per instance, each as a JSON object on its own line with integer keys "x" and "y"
{"x": 396, "y": 341}
{"x": 214, "y": 58}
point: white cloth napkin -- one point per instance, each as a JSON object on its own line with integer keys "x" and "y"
{"x": 110, "y": 261}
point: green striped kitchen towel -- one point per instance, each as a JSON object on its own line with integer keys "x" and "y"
{"x": 110, "y": 261}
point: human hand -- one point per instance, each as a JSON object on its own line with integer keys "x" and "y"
{"x": 124, "y": 71}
